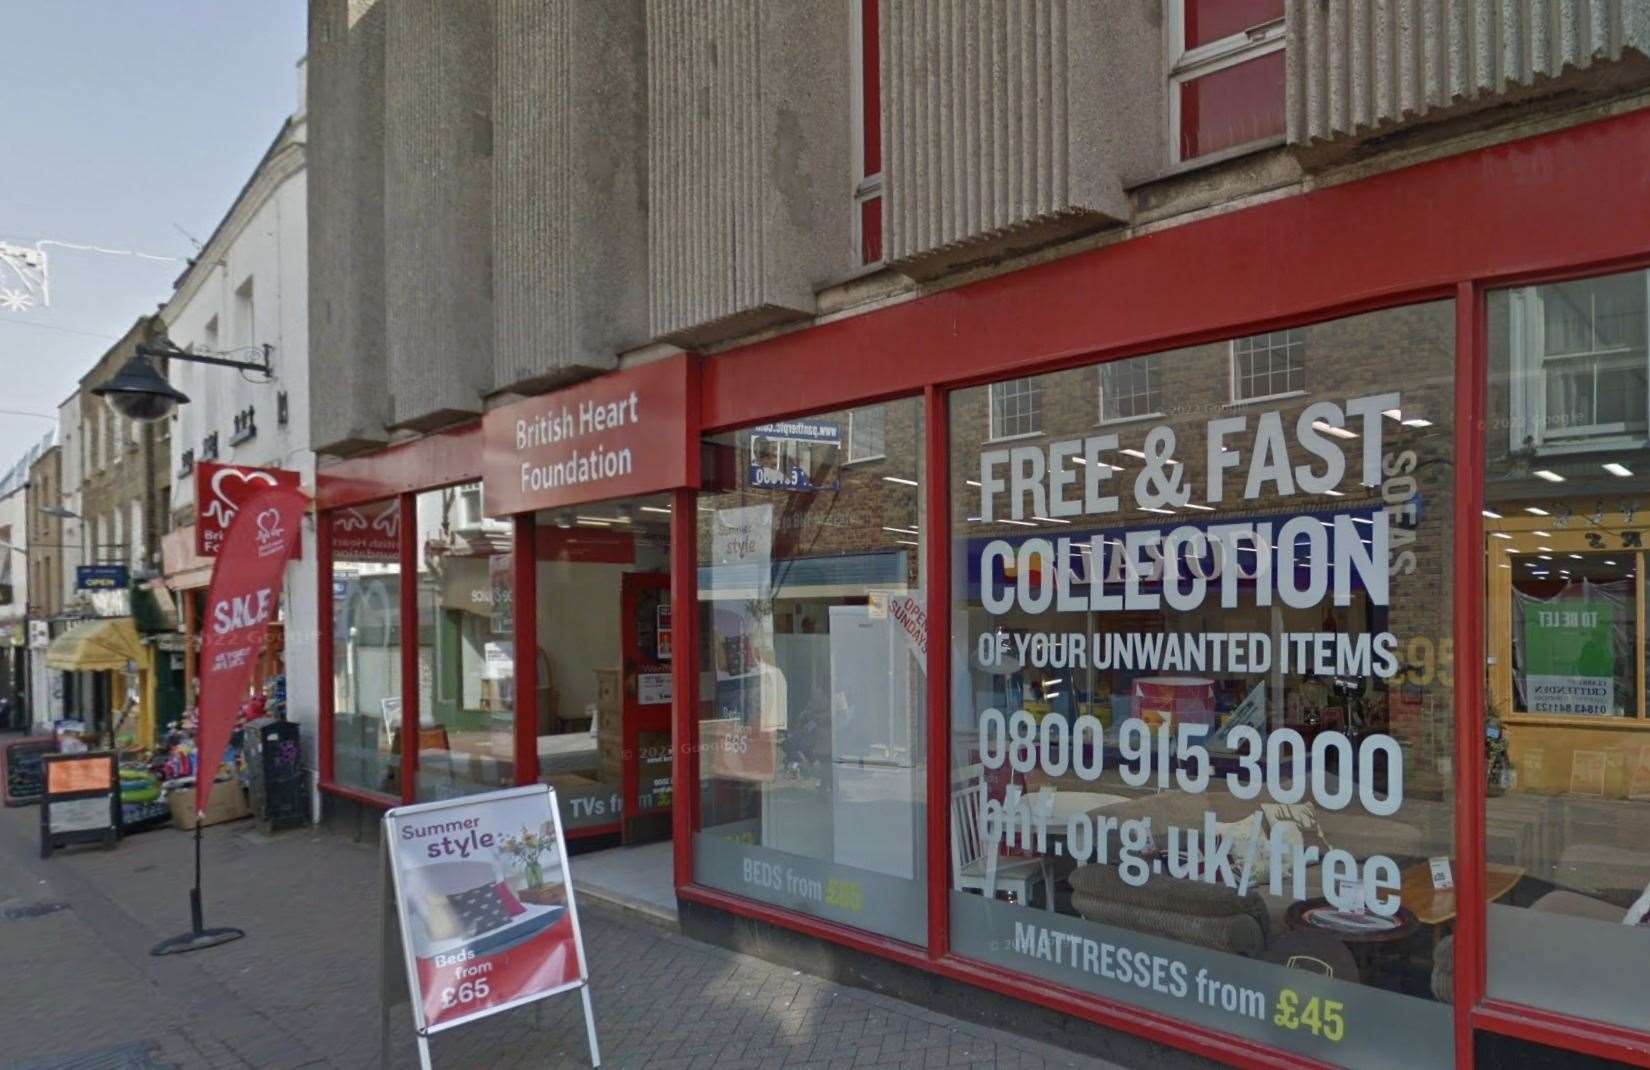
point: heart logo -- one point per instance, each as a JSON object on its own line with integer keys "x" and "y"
{"x": 222, "y": 508}
{"x": 269, "y": 524}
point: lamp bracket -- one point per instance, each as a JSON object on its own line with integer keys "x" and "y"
{"x": 172, "y": 352}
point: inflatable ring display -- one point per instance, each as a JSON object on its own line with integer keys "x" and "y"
{"x": 138, "y": 787}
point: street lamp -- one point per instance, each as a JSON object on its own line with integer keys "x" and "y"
{"x": 139, "y": 392}
{"x": 60, "y": 512}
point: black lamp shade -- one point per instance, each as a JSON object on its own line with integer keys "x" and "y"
{"x": 140, "y": 393}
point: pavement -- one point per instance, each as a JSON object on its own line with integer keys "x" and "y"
{"x": 81, "y": 991}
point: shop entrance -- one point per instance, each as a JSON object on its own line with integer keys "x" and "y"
{"x": 604, "y": 666}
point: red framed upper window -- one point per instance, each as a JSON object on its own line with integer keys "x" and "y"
{"x": 867, "y": 131}
{"x": 1226, "y": 76}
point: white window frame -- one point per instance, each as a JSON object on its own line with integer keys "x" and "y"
{"x": 848, "y": 454}
{"x": 1527, "y": 390}
{"x": 866, "y": 187}
{"x": 1186, "y": 66}
{"x": 1100, "y": 393}
{"x": 993, "y": 434}
{"x": 1232, "y": 372}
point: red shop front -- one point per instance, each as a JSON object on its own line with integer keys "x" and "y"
{"x": 1102, "y": 640}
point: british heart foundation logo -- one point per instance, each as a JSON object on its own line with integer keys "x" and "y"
{"x": 271, "y": 535}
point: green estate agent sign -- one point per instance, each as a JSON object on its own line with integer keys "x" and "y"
{"x": 1569, "y": 661}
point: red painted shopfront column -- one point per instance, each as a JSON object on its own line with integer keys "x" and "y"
{"x": 524, "y": 616}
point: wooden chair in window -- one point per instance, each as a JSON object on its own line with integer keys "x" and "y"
{"x": 975, "y": 862}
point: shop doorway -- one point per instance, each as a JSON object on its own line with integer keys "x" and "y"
{"x": 604, "y": 667}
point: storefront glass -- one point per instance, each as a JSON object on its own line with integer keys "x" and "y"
{"x": 466, "y": 657}
{"x": 1567, "y": 834}
{"x": 812, "y": 668}
{"x": 366, "y": 647}
{"x": 604, "y": 681}
{"x": 1202, "y": 707}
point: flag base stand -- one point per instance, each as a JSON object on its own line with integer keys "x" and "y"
{"x": 198, "y": 937}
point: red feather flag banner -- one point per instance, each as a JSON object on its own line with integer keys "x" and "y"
{"x": 244, "y": 597}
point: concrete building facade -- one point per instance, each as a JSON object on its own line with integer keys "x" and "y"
{"x": 246, "y": 293}
{"x": 48, "y": 559}
{"x": 888, "y": 252}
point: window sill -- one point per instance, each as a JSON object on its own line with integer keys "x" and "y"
{"x": 1178, "y": 168}
{"x": 1606, "y": 721}
{"x": 1287, "y": 395}
{"x": 865, "y": 460}
{"x": 1012, "y": 438}
{"x": 1129, "y": 419}
{"x": 1591, "y": 445}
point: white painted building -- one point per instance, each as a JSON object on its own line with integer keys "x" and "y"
{"x": 246, "y": 289}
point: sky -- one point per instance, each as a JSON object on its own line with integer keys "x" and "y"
{"x": 127, "y": 124}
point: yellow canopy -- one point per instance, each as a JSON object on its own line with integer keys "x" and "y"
{"x": 96, "y": 646}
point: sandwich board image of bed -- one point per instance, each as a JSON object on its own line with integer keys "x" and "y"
{"x": 485, "y": 905}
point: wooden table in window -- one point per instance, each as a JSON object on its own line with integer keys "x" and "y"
{"x": 1435, "y": 906}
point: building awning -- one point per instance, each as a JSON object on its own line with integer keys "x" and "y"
{"x": 96, "y": 646}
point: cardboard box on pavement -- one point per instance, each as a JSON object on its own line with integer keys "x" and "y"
{"x": 228, "y": 803}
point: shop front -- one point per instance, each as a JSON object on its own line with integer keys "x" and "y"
{"x": 548, "y": 529}
{"x": 1101, "y": 638}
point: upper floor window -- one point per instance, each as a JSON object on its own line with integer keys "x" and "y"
{"x": 1268, "y": 365}
{"x": 867, "y": 104}
{"x": 1131, "y": 389}
{"x": 867, "y": 434}
{"x": 1581, "y": 370}
{"x": 1226, "y": 75}
{"x": 1016, "y": 408}
{"x": 245, "y": 324}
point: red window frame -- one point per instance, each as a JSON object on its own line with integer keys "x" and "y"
{"x": 1451, "y": 228}
{"x": 1455, "y": 227}
{"x": 867, "y": 41}
{"x": 1233, "y": 65}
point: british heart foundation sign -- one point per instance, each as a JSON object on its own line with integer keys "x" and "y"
{"x": 613, "y": 436}
{"x": 221, "y": 490}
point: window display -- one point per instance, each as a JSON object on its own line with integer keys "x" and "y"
{"x": 366, "y": 647}
{"x": 1202, "y": 703}
{"x": 1568, "y": 739}
{"x": 604, "y": 685}
{"x": 466, "y": 653}
{"x": 813, "y": 652}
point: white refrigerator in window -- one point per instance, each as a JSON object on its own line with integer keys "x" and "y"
{"x": 876, "y": 816}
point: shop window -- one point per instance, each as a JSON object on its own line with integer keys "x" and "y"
{"x": 1226, "y": 75}
{"x": 1582, "y": 370}
{"x": 1567, "y": 745}
{"x": 1016, "y": 408}
{"x": 366, "y": 647}
{"x": 867, "y": 105}
{"x": 604, "y": 665}
{"x": 466, "y": 649}
{"x": 812, "y": 728}
{"x": 1131, "y": 389}
{"x": 1202, "y": 709}
{"x": 1269, "y": 365}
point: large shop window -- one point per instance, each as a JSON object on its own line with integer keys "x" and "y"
{"x": 604, "y": 678}
{"x": 812, "y": 728}
{"x": 1202, "y": 704}
{"x": 366, "y": 647}
{"x": 466, "y": 659}
{"x": 1567, "y": 738}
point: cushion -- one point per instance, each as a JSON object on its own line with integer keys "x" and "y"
{"x": 507, "y": 899}
{"x": 1242, "y": 934}
{"x": 1304, "y": 816}
{"x": 439, "y": 917}
{"x": 479, "y": 909}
